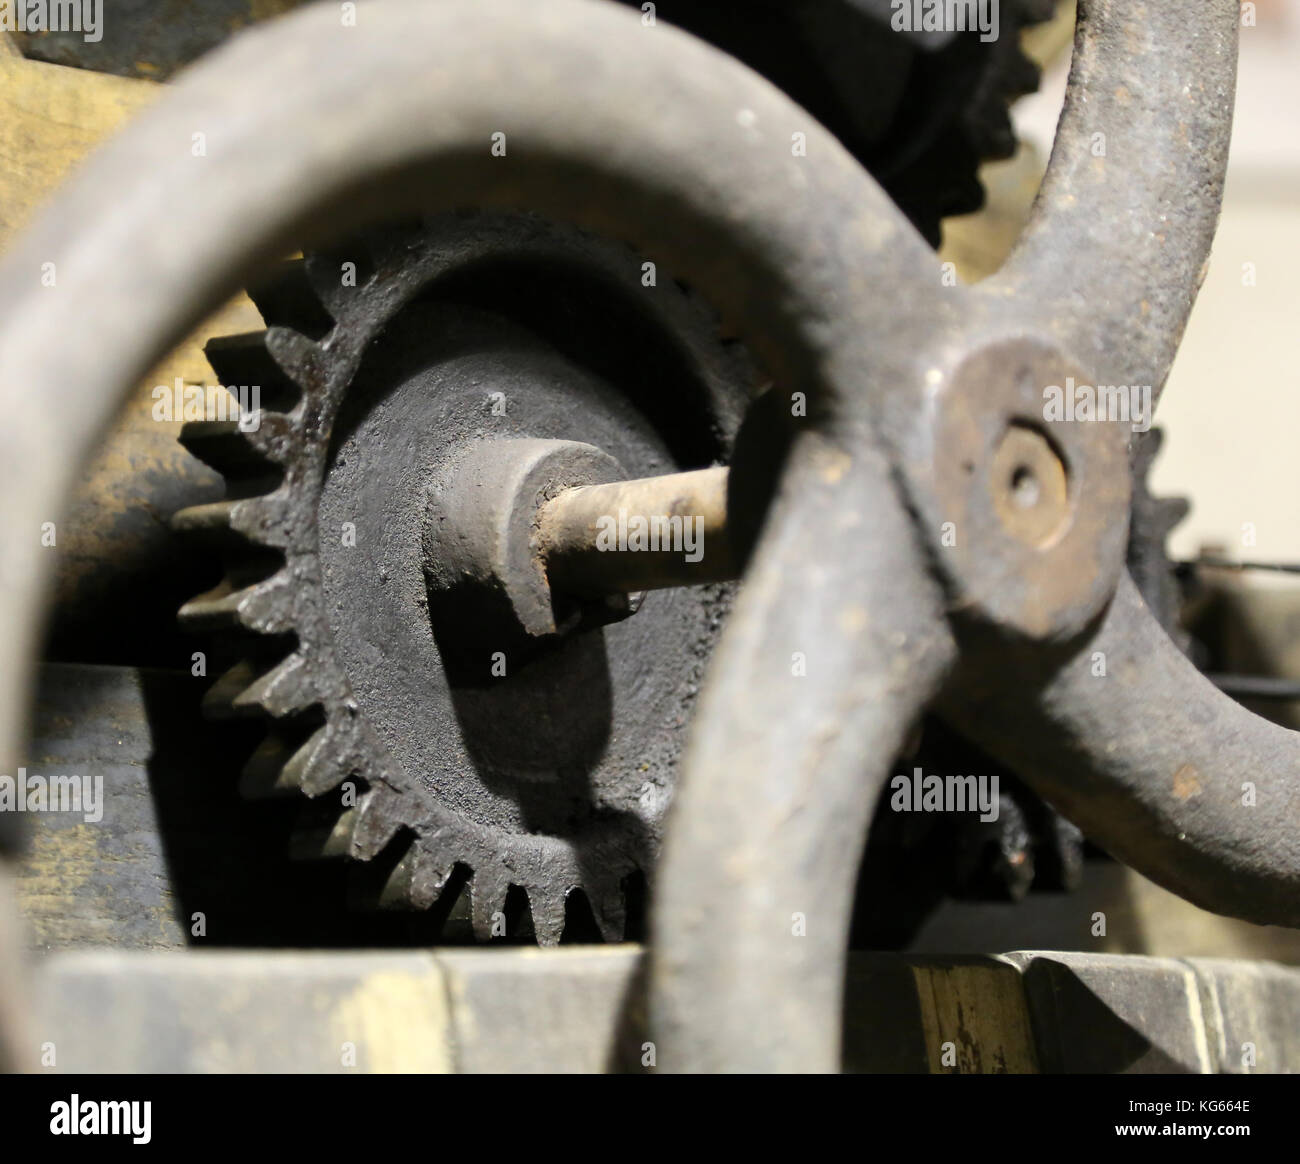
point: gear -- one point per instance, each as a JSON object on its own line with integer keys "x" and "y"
{"x": 423, "y": 736}
{"x": 921, "y": 113}
{"x": 954, "y": 116}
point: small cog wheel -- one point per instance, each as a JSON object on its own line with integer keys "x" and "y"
{"x": 433, "y": 740}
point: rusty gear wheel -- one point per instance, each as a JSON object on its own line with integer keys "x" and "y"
{"x": 419, "y": 762}
{"x": 428, "y": 742}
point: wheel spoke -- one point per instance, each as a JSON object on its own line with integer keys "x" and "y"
{"x": 835, "y": 645}
{"x": 1153, "y": 762}
{"x": 1115, "y": 251}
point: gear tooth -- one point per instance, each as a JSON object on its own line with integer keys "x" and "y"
{"x": 267, "y": 605}
{"x": 994, "y": 136}
{"x": 284, "y": 690}
{"x": 1022, "y": 76}
{"x": 258, "y": 607}
{"x": 320, "y": 765}
{"x": 399, "y": 890}
{"x": 241, "y": 358}
{"x": 610, "y": 911}
{"x": 220, "y": 525}
{"x": 546, "y": 905}
{"x": 359, "y": 831}
{"x": 214, "y": 517}
{"x": 235, "y": 523}
{"x": 965, "y": 196}
{"x": 262, "y": 521}
{"x": 246, "y": 456}
{"x": 215, "y": 608}
{"x": 314, "y": 767}
{"x": 417, "y": 881}
{"x": 487, "y": 899}
{"x": 219, "y": 699}
{"x": 1169, "y": 512}
{"x": 321, "y": 834}
{"x": 268, "y": 773}
{"x": 1146, "y": 448}
{"x": 378, "y": 823}
{"x": 297, "y": 356}
{"x": 277, "y": 361}
{"x": 338, "y": 843}
{"x": 287, "y": 298}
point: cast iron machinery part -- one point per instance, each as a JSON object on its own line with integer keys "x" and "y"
{"x": 785, "y": 763}
{"x": 417, "y": 676}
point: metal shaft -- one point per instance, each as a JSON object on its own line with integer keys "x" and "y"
{"x": 647, "y": 534}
